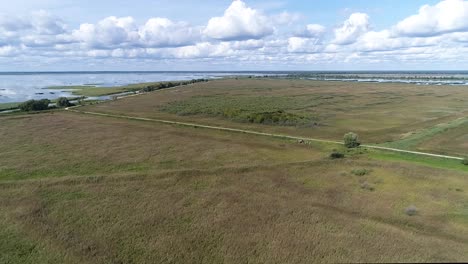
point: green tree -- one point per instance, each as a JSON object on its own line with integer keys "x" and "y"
{"x": 63, "y": 102}
{"x": 35, "y": 105}
{"x": 351, "y": 140}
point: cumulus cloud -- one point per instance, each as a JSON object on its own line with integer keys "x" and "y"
{"x": 108, "y": 33}
{"x": 239, "y": 22}
{"x": 286, "y": 18}
{"x": 445, "y": 17}
{"x": 303, "y": 45}
{"x": 9, "y": 23}
{"x": 163, "y": 32}
{"x": 384, "y": 41}
{"x": 46, "y": 24}
{"x": 356, "y": 25}
{"x": 113, "y": 32}
{"x": 8, "y": 51}
{"x": 312, "y": 31}
{"x": 242, "y": 35}
{"x": 39, "y": 22}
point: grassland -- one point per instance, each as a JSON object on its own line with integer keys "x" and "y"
{"x": 94, "y": 91}
{"x": 8, "y": 106}
{"x": 77, "y": 188}
{"x": 402, "y": 115}
{"x": 83, "y": 189}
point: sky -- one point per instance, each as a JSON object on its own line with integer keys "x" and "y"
{"x": 81, "y": 35}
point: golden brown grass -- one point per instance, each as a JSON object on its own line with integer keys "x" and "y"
{"x": 81, "y": 189}
{"x": 379, "y": 113}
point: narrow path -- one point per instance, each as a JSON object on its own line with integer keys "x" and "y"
{"x": 73, "y": 109}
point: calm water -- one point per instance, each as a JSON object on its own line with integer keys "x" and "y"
{"x": 18, "y": 87}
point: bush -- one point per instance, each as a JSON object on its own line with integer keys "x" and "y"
{"x": 351, "y": 140}
{"x": 35, "y": 105}
{"x": 63, "y": 102}
{"x": 465, "y": 161}
{"x": 367, "y": 186}
{"x": 360, "y": 172}
{"x": 411, "y": 210}
{"x": 337, "y": 155}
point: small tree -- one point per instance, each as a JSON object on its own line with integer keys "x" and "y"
{"x": 351, "y": 140}
{"x": 63, "y": 102}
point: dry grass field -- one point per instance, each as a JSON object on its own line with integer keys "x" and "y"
{"x": 399, "y": 115}
{"x": 85, "y": 189}
{"x": 77, "y": 188}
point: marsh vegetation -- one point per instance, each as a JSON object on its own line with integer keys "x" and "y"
{"x": 78, "y": 188}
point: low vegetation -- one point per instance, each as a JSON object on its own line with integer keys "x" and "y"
{"x": 379, "y": 113}
{"x": 361, "y": 172}
{"x": 367, "y": 186}
{"x": 266, "y": 110}
{"x": 351, "y": 140}
{"x": 8, "y": 106}
{"x": 96, "y": 91}
{"x": 105, "y": 190}
{"x": 78, "y": 188}
{"x": 337, "y": 155}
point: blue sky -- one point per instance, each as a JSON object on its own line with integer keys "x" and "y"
{"x": 233, "y": 35}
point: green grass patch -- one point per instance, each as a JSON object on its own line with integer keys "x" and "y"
{"x": 8, "y": 106}
{"x": 94, "y": 91}
{"x": 423, "y": 160}
{"x": 18, "y": 248}
{"x": 259, "y": 110}
{"x": 425, "y": 134}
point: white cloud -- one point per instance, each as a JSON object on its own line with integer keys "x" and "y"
{"x": 242, "y": 36}
{"x": 239, "y": 23}
{"x": 356, "y": 25}
{"x": 40, "y": 22}
{"x": 199, "y": 50}
{"x": 159, "y": 32}
{"x": 303, "y": 45}
{"x": 459, "y": 36}
{"x": 286, "y": 18}
{"x": 250, "y": 44}
{"x": 113, "y": 32}
{"x": 46, "y": 24}
{"x": 10, "y": 23}
{"x": 445, "y": 17}
{"x": 312, "y": 31}
{"x": 108, "y": 33}
{"x": 384, "y": 41}
{"x": 8, "y": 51}
{"x": 35, "y": 28}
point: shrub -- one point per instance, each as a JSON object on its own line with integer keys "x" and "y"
{"x": 411, "y": 210}
{"x": 367, "y": 186}
{"x": 35, "y": 105}
{"x": 360, "y": 172}
{"x": 336, "y": 155}
{"x": 351, "y": 140}
{"x": 63, "y": 102}
{"x": 465, "y": 161}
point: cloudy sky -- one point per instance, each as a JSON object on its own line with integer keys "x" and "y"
{"x": 62, "y": 35}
